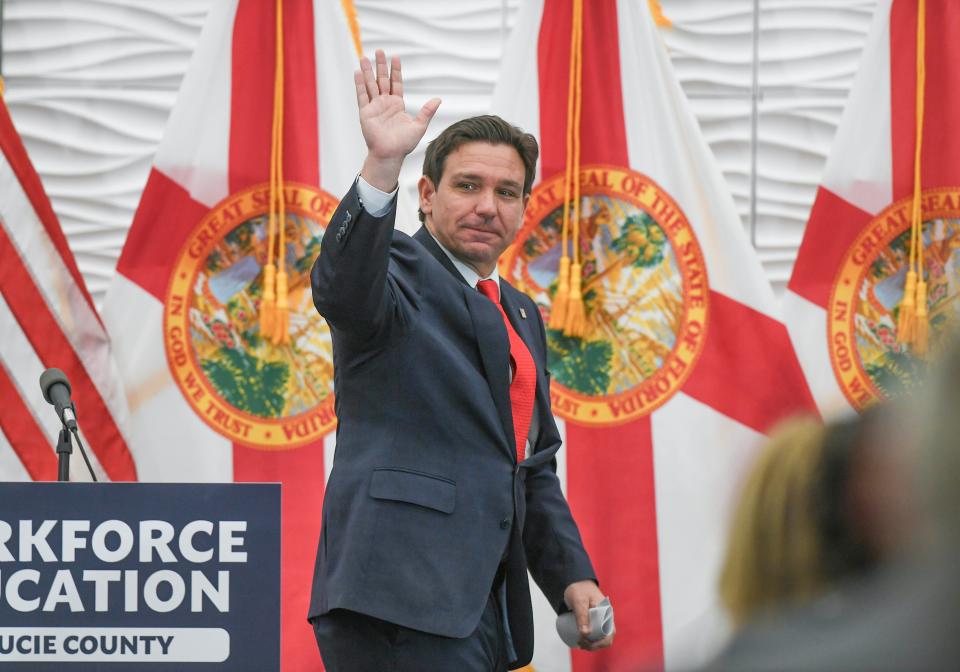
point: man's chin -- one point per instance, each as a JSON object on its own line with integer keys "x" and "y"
{"x": 477, "y": 254}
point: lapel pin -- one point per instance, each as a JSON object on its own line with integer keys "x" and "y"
{"x": 523, "y": 313}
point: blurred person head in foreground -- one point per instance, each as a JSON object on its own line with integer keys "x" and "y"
{"x": 822, "y": 504}
{"x": 902, "y": 616}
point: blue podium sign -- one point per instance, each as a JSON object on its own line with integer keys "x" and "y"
{"x": 131, "y": 576}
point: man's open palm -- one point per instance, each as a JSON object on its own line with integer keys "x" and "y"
{"x": 389, "y": 131}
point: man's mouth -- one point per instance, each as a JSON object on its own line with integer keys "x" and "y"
{"x": 482, "y": 230}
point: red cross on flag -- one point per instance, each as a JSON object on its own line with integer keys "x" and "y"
{"x": 668, "y": 362}
{"x": 227, "y": 365}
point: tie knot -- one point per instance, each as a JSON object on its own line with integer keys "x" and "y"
{"x": 489, "y": 289}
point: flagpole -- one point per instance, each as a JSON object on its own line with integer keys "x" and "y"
{"x": 754, "y": 122}
{"x": 1, "y": 45}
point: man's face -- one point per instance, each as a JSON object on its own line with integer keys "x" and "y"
{"x": 477, "y": 208}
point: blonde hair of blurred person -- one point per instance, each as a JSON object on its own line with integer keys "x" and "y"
{"x": 822, "y": 505}
{"x": 774, "y": 549}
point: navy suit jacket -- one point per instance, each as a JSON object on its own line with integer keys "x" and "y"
{"x": 426, "y": 499}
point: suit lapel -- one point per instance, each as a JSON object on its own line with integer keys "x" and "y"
{"x": 423, "y": 237}
{"x": 495, "y": 353}
{"x": 492, "y": 341}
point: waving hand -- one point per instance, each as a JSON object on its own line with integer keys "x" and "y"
{"x": 389, "y": 131}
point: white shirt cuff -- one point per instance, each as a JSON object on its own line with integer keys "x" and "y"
{"x": 377, "y": 203}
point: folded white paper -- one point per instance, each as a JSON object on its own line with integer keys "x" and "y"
{"x": 601, "y": 624}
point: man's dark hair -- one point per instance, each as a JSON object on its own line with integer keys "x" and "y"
{"x": 485, "y": 128}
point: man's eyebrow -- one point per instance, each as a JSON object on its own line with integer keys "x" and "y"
{"x": 478, "y": 178}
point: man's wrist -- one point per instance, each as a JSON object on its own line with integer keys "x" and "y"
{"x": 381, "y": 173}
{"x": 374, "y": 201}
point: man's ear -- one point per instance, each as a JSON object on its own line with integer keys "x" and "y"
{"x": 427, "y": 190}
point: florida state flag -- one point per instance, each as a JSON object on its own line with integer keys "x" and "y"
{"x": 227, "y": 366}
{"x": 667, "y": 360}
{"x": 877, "y": 274}
{"x": 47, "y": 319}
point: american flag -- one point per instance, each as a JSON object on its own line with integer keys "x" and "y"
{"x": 47, "y": 319}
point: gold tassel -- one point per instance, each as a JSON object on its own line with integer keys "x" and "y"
{"x": 268, "y": 302}
{"x": 281, "y": 326}
{"x": 921, "y": 333}
{"x": 906, "y": 321}
{"x": 558, "y": 308}
{"x": 576, "y": 324}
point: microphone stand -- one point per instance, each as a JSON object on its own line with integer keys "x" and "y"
{"x": 65, "y": 450}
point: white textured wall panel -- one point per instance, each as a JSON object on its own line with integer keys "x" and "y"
{"x": 90, "y": 84}
{"x": 808, "y": 54}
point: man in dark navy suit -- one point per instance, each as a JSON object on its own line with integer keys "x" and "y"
{"x": 444, "y": 489}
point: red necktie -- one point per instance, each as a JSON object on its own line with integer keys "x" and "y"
{"x": 523, "y": 387}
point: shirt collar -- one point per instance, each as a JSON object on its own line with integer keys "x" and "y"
{"x": 470, "y": 275}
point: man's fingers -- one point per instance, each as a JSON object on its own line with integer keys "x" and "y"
{"x": 428, "y": 110}
{"x": 383, "y": 78}
{"x": 593, "y": 645}
{"x": 396, "y": 77}
{"x": 581, "y": 610}
{"x": 604, "y": 643}
{"x": 369, "y": 79}
{"x": 362, "y": 97}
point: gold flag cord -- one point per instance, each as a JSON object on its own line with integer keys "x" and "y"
{"x": 913, "y": 323}
{"x": 576, "y": 322}
{"x": 558, "y": 308}
{"x": 921, "y": 333}
{"x": 567, "y": 310}
{"x": 275, "y": 303}
{"x": 281, "y": 327}
{"x": 274, "y": 306}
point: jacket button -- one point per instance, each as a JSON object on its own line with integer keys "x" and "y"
{"x": 505, "y": 523}
{"x": 339, "y": 236}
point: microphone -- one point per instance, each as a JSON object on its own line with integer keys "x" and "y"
{"x": 56, "y": 391}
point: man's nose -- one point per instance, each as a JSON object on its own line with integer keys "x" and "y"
{"x": 486, "y": 205}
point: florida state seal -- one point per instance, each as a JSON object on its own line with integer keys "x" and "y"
{"x": 244, "y": 387}
{"x": 645, "y": 292}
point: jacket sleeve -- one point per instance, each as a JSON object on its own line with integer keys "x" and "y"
{"x": 361, "y": 285}
{"x": 555, "y": 552}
